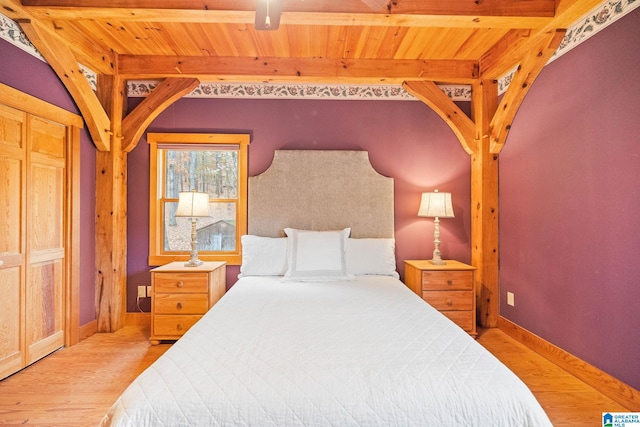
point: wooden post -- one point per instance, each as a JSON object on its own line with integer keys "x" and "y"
{"x": 484, "y": 204}
{"x": 111, "y": 214}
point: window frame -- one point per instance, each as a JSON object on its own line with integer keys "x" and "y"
{"x": 157, "y": 256}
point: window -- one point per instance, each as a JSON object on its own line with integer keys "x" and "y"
{"x": 209, "y": 163}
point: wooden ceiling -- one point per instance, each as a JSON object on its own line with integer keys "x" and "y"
{"x": 329, "y": 41}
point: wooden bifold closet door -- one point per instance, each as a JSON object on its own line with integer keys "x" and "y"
{"x": 45, "y": 237}
{"x": 32, "y": 238}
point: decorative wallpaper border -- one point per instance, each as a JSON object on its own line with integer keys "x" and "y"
{"x": 11, "y": 32}
{"x": 598, "y": 19}
{"x": 604, "y": 15}
{"x": 142, "y": 88}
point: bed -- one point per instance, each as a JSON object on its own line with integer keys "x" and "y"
{"x": 319, "y": 330}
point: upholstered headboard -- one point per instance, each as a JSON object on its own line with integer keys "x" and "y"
{"x": 321, "y": 190}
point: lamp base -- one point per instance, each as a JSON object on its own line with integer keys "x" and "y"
{"x": 193, "y": 263}
{"x": 436, "y": 260}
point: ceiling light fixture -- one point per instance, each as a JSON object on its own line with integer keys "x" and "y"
{"x": 267, "y": 20}
{"x": 268, "y": 14}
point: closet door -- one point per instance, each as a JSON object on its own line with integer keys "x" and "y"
{"x": 12, "y": 239}
{"x": 45, "y": 238}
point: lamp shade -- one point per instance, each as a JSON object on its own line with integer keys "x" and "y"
{"x": 436, "y": 204}
{"x": 193, "y": 204}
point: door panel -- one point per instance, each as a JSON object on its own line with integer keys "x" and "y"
{"x": 45, "y": 272}
{"x": 12, "y": 175}
{"x": 12, "y": 127}
{"x": 12, "y": 158}
{"x": 11, "y": 355}
{"x": 46, "y": 218}
{"x": 11, "y": 204}
{"x": 45, "y": 317}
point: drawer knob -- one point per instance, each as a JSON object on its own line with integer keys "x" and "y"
{"x": 179, "y": 326}
{"x": 180, "y": 284}
{"x": 449, "y": 302}
{"x": 179, "y": 306}
{"x": 449, "y": 282}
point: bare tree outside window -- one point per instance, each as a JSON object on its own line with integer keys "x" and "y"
{"x": 214, "y": 172}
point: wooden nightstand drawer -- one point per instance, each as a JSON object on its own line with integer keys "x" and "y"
{"x": 449, "y": 300}
{"x": 180, "y": 303}
{"x": 464, "y": 319}
{"x": 181, "y": 282}
{"x": 444, "y": 280}
{"x": 173, "y": 325}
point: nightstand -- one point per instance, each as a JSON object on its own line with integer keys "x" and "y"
{"x": 448, "y": 288}
{"x": 182, "y": 295}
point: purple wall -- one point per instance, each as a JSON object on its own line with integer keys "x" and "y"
{"x": 405, "y": 140}
{"x": 30, "y": 75}
{"x": 569, "y": 202}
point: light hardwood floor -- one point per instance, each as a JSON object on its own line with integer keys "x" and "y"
{"x": 75, "y": 386}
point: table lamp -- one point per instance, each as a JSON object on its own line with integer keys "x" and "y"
{"x": 436, "y": 205}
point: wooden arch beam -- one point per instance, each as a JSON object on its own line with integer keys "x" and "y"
{"x": 482, "y": 137}
{"x": 111, "y": 189}
{"x": 165, "y": 94}
{"x": 523, "y": 78}
{"x": 63, "y": 62}
{"x": 429, "y": 93}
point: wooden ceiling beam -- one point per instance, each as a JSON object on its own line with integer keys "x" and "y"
{"x": 568, "y": 12}
{"x": 14, "y": 9}
{"x": 288, "y": 17}
{"x": 165, "y": 94}
{"x": 482, "y": 8}
{"x": 438, "y": 101}
{"x": 522, "y": 80}
{"x": 297, "y": 69}
{"x": 508, "y": 53}
{"x": 65, "y": 65}
{"x": 89, "y": 52}
{"x": 503, "y": 56}
{"x": 539, "y": 8}
{"x": 379, "y": 6}
{"x": 412, "y": 20}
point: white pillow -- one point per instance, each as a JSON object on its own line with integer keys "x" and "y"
{"x": 372, "y": 256}
{"x": 317, "y": 255}
{"x": 263, "y": 256}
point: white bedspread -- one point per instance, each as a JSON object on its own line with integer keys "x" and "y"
{"x": 363, "y": 353}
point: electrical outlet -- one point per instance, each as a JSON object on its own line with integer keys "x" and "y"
{"x": 149, "y": 291}
{"x": 510, "y": 299}
{"x": 142, "y": 291}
